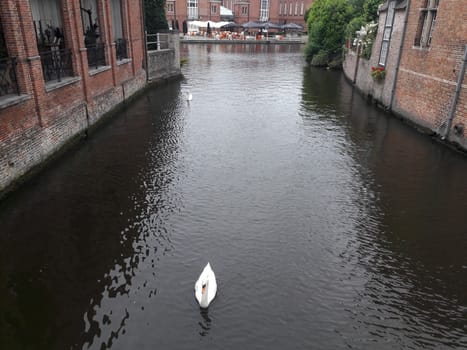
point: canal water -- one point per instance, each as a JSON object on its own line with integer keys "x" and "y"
{"x": 329, "y": 224}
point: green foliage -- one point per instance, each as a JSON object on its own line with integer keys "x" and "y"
{"x": 327, "y": 21}
{"x": 307, "y": 12}
{"x": 355, "y": 24}
{"x": 154, "y": 13}
{"x": 370, "y": 10}
{"x": 321, "y": 59}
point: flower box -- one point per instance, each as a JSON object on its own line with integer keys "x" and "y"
{"x": 378, "y": 73}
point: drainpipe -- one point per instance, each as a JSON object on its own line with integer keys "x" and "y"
{"x": 452, "y": 111}
{"x": 354, "y": 80}
{"x": 145, "y": 46}
{"x": 399, "y": 56}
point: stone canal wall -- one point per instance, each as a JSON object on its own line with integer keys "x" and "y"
{"x": 48, "y": 117}
{"x": 164, "y": 63}
{"x": 425, "y": 83}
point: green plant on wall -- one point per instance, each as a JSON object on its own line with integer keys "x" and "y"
{"x": 154, "y": 13}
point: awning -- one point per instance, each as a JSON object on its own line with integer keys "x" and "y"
{"x": 226, "y": 12}
{"x": 193, "y": 26}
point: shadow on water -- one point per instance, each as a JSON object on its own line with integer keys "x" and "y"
{"x": 75, "y": 243}
{"x": 415, "y": 266}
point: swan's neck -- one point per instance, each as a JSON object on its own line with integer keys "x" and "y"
{"x": 204, "y": 295}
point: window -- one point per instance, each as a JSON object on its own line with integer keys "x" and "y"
{"x": 213, "y": 9}
{"x": 47, "y": 22}
{"x": 3, "y": 48}
{"x": 426, "y": 23}
{"x": 90, "y": 19}
{"x": 227, "y": 3}
{"x": 244, "y": 10}
{"x": 192, "y": 9}
{"x": 296, "y": 8}
{"x": 387, "y": 31}
{"x": 117, "y": 28}
{"x": 301, "y": 9}
{"x": 264, "y": 11}
{"x": 290, "y": 9}
{"x": 170, "y": 7}
{"x": 8, "y": 82}
{"x": 56, "y": 60}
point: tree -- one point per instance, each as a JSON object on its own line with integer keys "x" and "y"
{"x": 370, "y": 10}
{"x": 365, "y": 12}
{"x": 327, "y": 21}
{"x": 154, "y": 12}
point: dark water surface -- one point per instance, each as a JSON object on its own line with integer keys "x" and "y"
{"x": 329, "y": 224}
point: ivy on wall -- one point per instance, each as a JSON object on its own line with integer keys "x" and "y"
{"x": 154, "y": 13}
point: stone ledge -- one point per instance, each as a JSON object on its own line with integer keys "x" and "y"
{"x": 53, "y": 85}
{"x": 11, "y": 100}
{"x": 124, "y": 61}
{"x": 99, "y": 70}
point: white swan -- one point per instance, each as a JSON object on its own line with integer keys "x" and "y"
{"x": 189, "y": 96}
{"x": 206, "y": 287}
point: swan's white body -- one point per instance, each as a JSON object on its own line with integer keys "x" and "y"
{"x": 206, "y": 287}
{"x": 189, "y": 96}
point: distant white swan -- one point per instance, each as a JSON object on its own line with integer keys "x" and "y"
{"x": 189, "y": 96}
{"x": 206, "y": 287}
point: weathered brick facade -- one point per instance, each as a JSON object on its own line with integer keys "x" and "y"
{"x": 426, "y": 62}
{"x": 46, "y": 114}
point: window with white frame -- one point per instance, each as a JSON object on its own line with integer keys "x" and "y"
{"x": 170, "y": 7}
{"x": 192, "y": 6}
{"x": 244, "y": 10}
{"x": 387, "y": 32}
{"x": 264, "y": 10}
{"x": 296, "y": 8}
{"x": 301, "y": 9}
{"x": 213, "y": 9}
{"x": 426, "y": 24}
{"x": 290, "y": 8}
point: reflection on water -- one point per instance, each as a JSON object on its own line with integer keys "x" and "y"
{"x": 331, "y": 225}
{"x": 205, "y": 323}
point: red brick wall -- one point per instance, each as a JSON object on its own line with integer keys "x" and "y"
{"x": 46, "y": 117}
{"x": 180, "y": 11}
{"x": 428, "y": 76}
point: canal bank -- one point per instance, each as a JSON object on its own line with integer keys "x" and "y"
{"x": 415, "y": 71}
{"x": 50, "y": 117}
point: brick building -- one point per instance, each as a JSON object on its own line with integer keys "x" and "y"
{"x": 239, "y": 11}
{"x": 422, "y": 45}
{"x": 63, "y": 64}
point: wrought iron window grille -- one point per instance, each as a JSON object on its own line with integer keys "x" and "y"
{"x": 8, "y": 81}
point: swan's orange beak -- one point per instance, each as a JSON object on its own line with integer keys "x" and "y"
{"x": 203, "y": 289}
